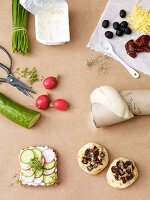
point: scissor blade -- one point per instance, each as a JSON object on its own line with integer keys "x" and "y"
{"x": 18, "y": 84}
{"x": 24, "y": 92}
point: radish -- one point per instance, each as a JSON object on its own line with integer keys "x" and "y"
{"x": 38, "y": 180}
{"x": 43, "y": 161}
{"x": 48, "y": 154}
{"x": 27, "y": 179}
{"x": 60, "y": 104}
{"x": 48, "y": 172}
{"x": 50, "y": 82}
{"x": 42, "y": 102}
{"x": 24, "y": 166}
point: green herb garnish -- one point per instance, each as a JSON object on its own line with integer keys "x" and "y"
{"x": 30, "y": 74}
{"x": 35, "y": 163}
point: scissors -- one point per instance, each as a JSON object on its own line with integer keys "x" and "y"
{"x": 11, "y": 79}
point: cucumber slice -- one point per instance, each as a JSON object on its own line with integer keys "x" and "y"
{"x": 38, "y": 173}
{"x": 18, "y": 113}
{"x": 50, "y": 165}
{"x": 51, "y": 179}
{"x": 38, "y": 153}
{"x": 27, "y": 173}
{"x": 26, "y": 156}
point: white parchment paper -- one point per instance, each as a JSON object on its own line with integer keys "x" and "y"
{"x": 111, "y": 13}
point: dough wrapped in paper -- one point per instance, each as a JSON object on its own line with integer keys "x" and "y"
{"x": 110, "y": 106}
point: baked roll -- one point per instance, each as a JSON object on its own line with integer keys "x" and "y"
{"x": 92, "y": 158}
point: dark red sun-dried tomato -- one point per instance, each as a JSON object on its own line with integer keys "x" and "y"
{"x": 130, "y": 48}
{"x": 140, "y": 45}
{"x": 142, "y": 41}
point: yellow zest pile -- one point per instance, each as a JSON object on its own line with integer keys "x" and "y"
{"x": 140, "y": 20}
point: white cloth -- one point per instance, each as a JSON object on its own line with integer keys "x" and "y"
{"x": 111, "y": 13}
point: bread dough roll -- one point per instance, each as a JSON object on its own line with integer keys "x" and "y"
{"x": 122, "y": 173}
{"x": 92, "y": 158}
{"x": 111, "y": 99}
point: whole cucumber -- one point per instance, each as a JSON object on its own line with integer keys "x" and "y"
{"x": 18, "y": 113}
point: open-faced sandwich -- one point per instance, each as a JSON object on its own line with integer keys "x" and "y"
{"x": 38, "y": 166}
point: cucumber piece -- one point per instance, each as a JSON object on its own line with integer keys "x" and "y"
{"x": 38, "y": 173}
{"x": 27, "y": 173}
{"x": 26, "y": 156}
{"x": 50, "y": 165}
{"x": 18, "y": 113}
{"x": 38, "y": 153}
{"x": 51, "y": 179}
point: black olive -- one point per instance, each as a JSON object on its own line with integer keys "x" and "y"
{"x": 109, "y": 34}
{"x": 105, "y": 24}
{"x": 117, "y": 178}
{"x": 95, "y": 165}
{"x": 84, "y": 161}
{"x": 127, "y": 164}
{"x": 123, "y": 13}
{"x": 116, "y": 26}
{"x": 128, "y": 31}
{"x": 124, "y": 24}
{"x": 129, "y": 177}
{"x": 90, "y": 168}
{"x": 120, "y": 164}
{"x": 88, "y": 151}
{"x": 102, "y": 155}
{"x": 119, "y": 33}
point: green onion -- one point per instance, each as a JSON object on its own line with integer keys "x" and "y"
{"x": 19, "y": 37}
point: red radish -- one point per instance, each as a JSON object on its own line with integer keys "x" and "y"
{"x": 38, "y": 180}
{"x": 24, "y": 166}
{"x": 43, "y": 161}
{"x": 27, "y": 179}
{"x": 60, "y": 104}
{"x": 48, "y": 154}
{"x": 42, "y": 102}
{"x": 50, "y": 82}
{"x": 48, "y": 172}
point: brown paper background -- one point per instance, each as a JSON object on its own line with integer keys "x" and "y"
{"x": 68, "y": 131}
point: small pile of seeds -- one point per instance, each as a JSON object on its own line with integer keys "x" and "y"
{"x": 123, "y": 171}
{"x": 92, "y": 158}
{"x": 101, "y": 64}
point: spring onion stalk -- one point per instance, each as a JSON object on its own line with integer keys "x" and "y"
{"x": 19, "y": 36}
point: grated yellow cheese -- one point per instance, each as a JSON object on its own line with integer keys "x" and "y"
{"x": 139, "y": 20}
